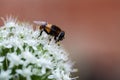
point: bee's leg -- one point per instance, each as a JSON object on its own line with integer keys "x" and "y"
{"x": 56, "y": 40}
{"x": 49, "y": 37}
{"x": 41, "y": 33}
{"x": 49, "y": 40}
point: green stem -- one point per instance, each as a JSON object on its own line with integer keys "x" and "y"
{"x": 6, "y": 61}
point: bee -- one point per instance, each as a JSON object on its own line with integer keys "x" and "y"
{"x": 51, "y": 29}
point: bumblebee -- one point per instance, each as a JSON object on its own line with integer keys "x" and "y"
{"x": 52, "y": 30}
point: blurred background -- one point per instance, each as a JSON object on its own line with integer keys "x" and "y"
{"x": 92, "y": 31}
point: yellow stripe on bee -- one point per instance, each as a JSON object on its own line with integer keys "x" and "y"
{"x": 48, "y": 27}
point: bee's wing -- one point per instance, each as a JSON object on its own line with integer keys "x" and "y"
{"x": 40, "y": 22}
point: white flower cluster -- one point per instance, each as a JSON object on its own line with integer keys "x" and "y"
{"x": 25, "y": 56}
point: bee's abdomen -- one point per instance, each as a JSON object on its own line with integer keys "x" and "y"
{"x": 55, "y": 30}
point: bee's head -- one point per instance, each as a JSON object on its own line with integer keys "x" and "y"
{"x": 42, "y": 27}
